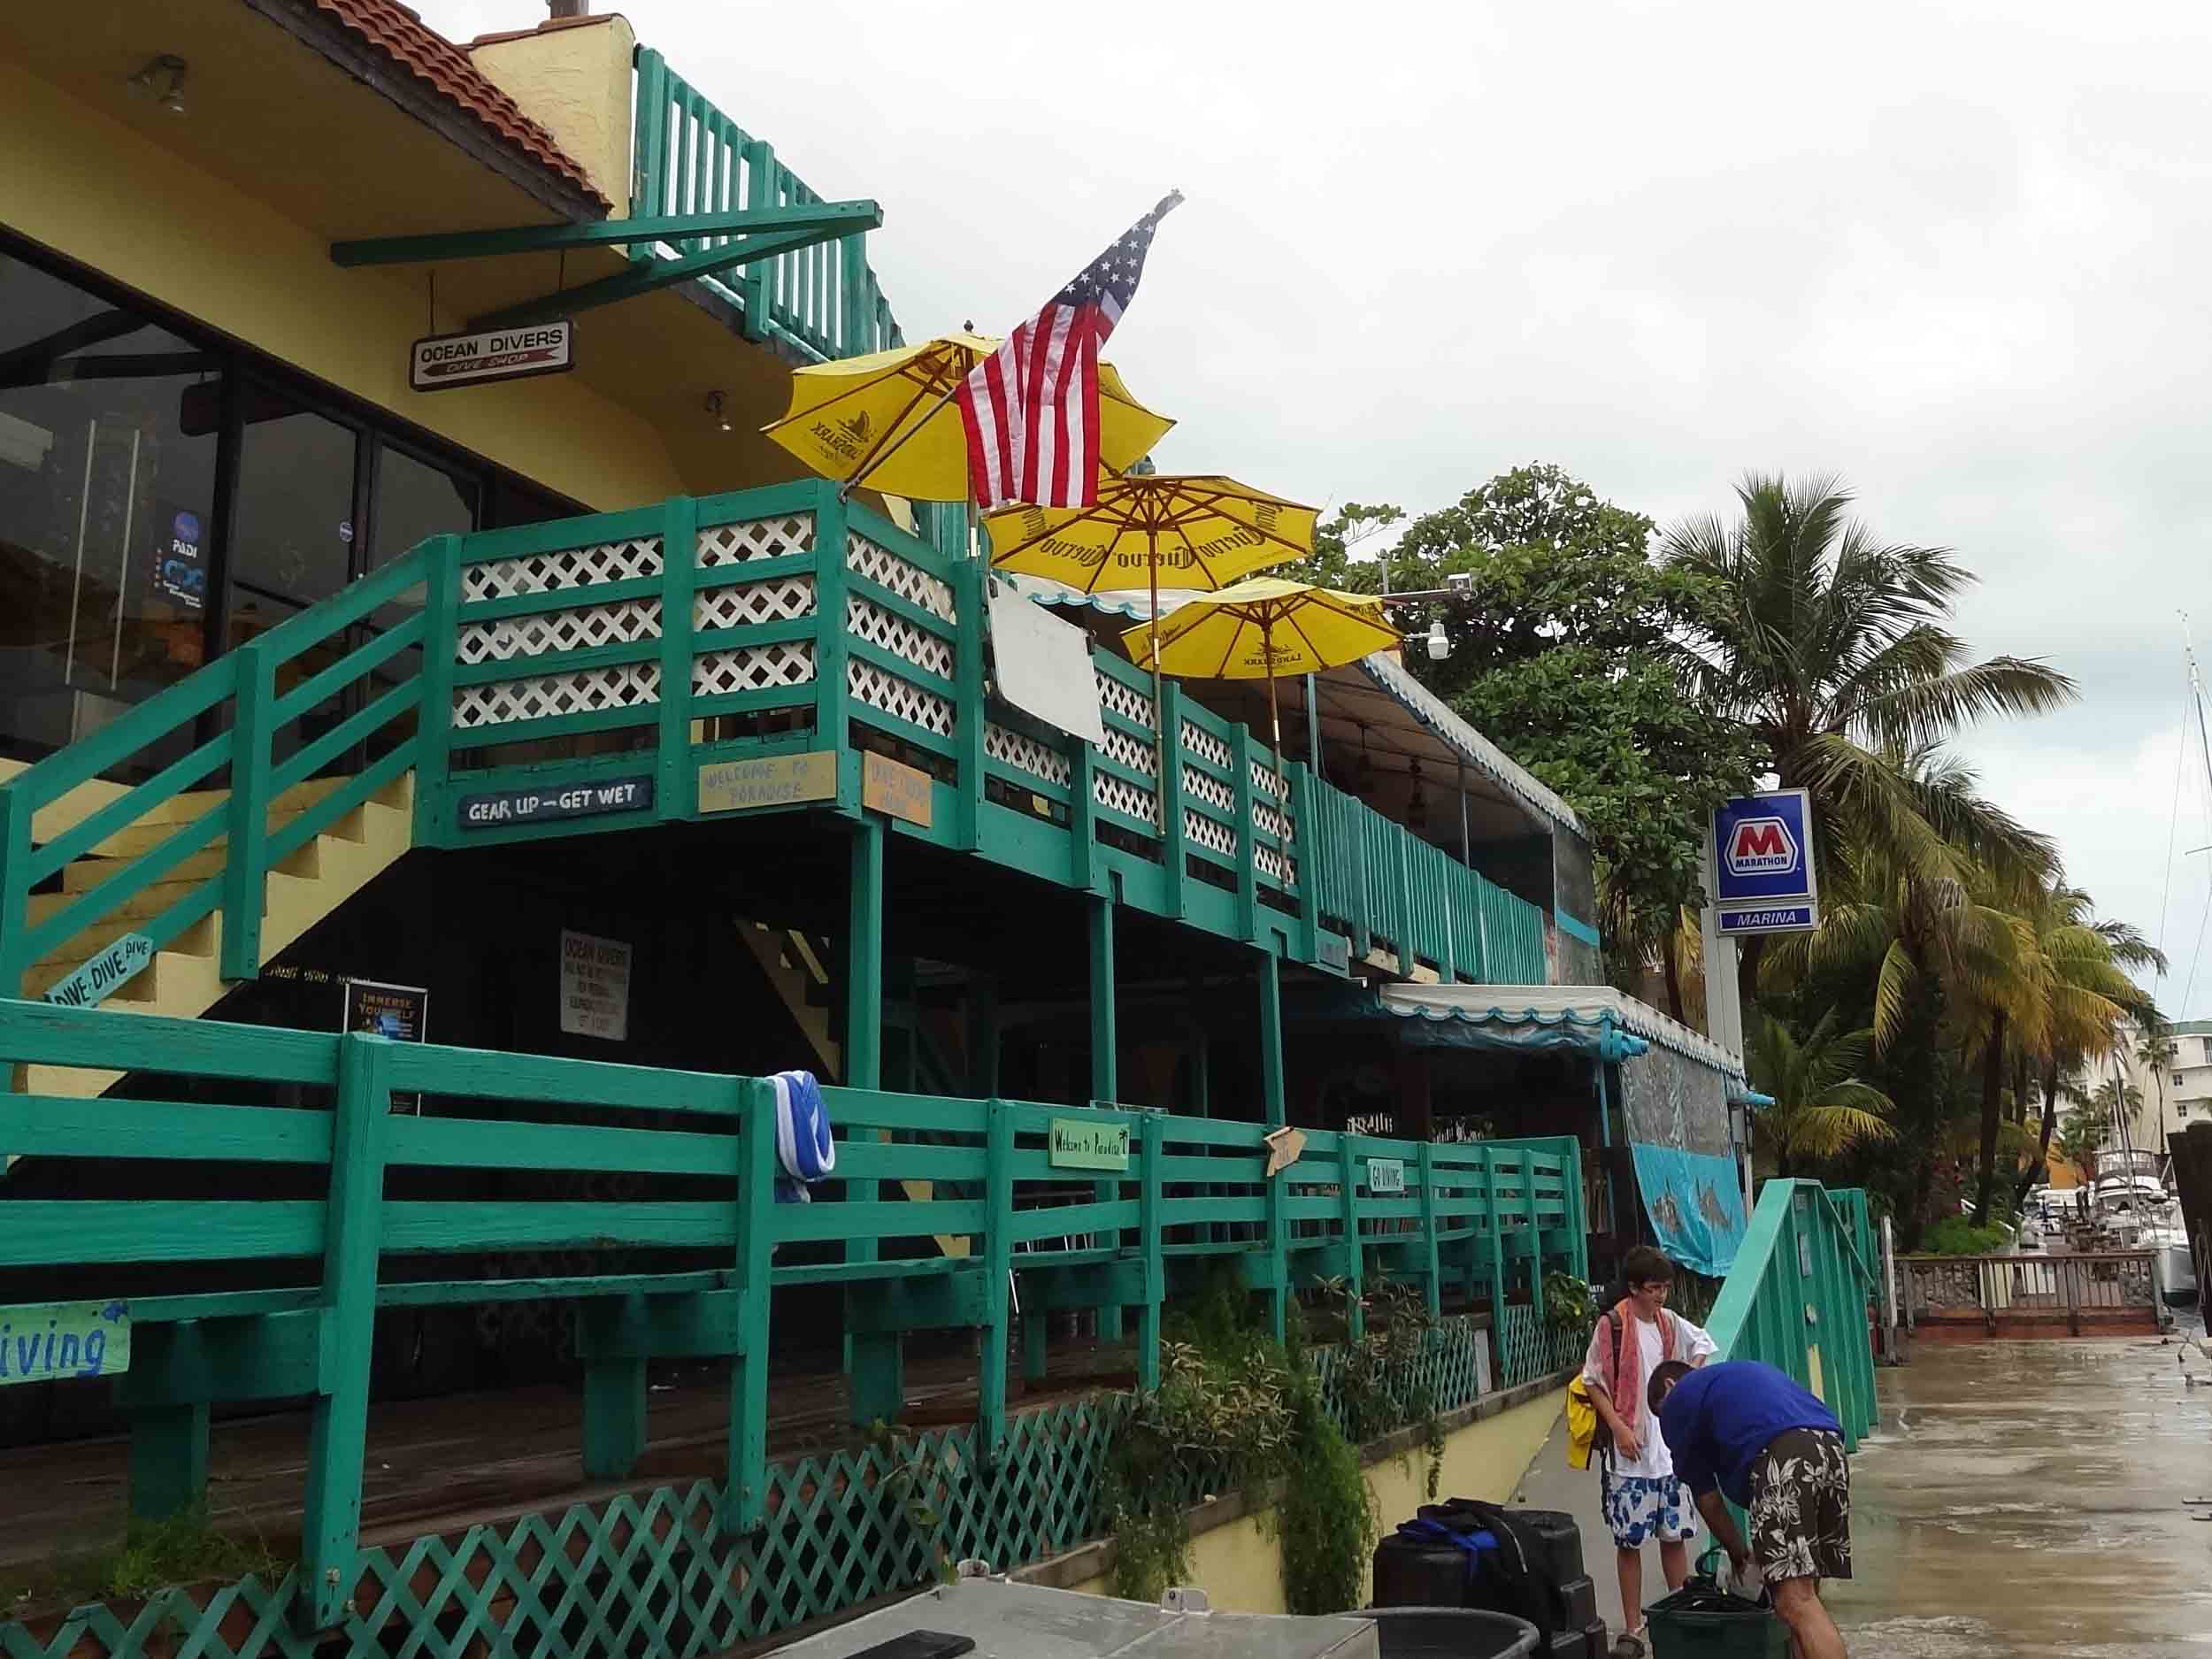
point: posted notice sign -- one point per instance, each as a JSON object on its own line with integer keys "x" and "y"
{"x": 441, "y": 362}
{"x": 594, "y": 987}
{"x": 1763, "y": 863}
{"x": 1083, "y": 1143}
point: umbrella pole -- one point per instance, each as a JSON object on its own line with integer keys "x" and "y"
{"x": 1275, "y": 738}
{"x": 1159, "y": 706}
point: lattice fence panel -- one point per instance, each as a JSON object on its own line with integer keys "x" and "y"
{"x": 754, "y": 539}
{"x": 910, "y": 641}
{"x": 1207, "y": 790}
{"x": 1126, "y": 701}
{"x": 902, "y": 577}
{"x": 1198, "y": 741}
{"x": 1026, "y": 754}
{"x": 561, "y": 570}
{"x": 1211, "y": 833}
{"x": 753, "y": 668}
{"x": 576, "y": 629}
{"x": 584, "y": 691}
{"x": 917, "y": 705}
{"x": 1528, "y": 1348}
{"x": 744, "y": 604}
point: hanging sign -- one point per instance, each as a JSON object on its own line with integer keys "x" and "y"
{"x": 594, "y": 987}
{"x": 741, "y": 786}
{"x": 1385, "y": 1177}
{"x": 894, "y": 789}
{"x": 441, "y": 362}
{"x": 90, "y": 984}
{"x": 1082, "y": 1143}
{"x": 64, "y": 1339}
{"x": 1763, "y": 859}
{"x": 542, "y": 804}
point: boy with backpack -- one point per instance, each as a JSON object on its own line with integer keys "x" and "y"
{"x": 1642, "y": 1498}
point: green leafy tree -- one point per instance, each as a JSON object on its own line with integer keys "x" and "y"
{"x": 1566, "y": 651}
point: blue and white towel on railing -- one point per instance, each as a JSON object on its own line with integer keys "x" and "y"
{"x": 805, "y": 1145}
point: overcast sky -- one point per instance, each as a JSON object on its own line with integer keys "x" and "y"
{"x": 1956, "y": 252}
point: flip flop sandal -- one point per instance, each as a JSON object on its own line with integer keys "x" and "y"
{"x": 1630, "y": 1644}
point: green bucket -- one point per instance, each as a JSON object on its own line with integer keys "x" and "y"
{"x": 1701, "y": 1621}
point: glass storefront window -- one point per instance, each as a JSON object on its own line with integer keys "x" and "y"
{"x": 107, "y": 470}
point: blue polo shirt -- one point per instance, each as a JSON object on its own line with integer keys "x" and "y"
{"x": 1719, "y": 1418}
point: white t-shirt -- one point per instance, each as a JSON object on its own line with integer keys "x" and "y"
{"x": 1691, "y": 1343}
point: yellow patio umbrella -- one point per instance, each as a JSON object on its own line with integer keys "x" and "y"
{"x": 1203, "y": 530}
{"x": 1263, "y": 628}
{"x": 888, "y": 419}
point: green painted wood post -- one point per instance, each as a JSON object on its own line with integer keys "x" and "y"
{"x": 1247, "y": 836}
{"x": 874, "y": 1362}
{"x": 168, "y": 1463}
{"x": 1105, "y": 1061}
{"x": 649, "y": 127}
{"x": 1151, "y": 1139}
{"x": 1174, "y": 841}
{"x": 1278, "y": 1114}
{"x": 1349, "y": 819}
{"x": 1085, "y": 871}
{"x": 1497, "y": 1249}
{"x": 855, "y": 307}
{"x": 755, "y": 287}
{"x": 1432, "y": 1266}
{"x": 1306, "y": 842}
{"x": 832, "y": 693}
{"x": 246, "y": 853}
{"x": 614, "y": 1411}
{"x": 15, "y": 888}
{"x": 748, "y": 1372}
{"x": 1535, "y": 1237}
{"x": 970, "y": 586}
{"x": 997, "y": 1266}
{"x": 675, "y": 778}
{"x": 1348, "y": 1189}
{"x": 434, "y": 715}
{"x": 330, "y": 1527}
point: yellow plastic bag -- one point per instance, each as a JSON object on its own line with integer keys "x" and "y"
{"x": 1582, "y": 1424}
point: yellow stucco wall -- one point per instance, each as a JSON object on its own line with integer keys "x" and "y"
{"x": 575, "y": 82}
{"x": 1240, "y": 1567}
{"x": 101, "y": 193}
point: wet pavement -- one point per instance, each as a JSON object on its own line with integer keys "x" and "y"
{"x": 2024, "y": 1500}
{"x": 2020, "y": 1501}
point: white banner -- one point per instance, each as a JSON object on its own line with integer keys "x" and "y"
{"x": 1044, "y": 665}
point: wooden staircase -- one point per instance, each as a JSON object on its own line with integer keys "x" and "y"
{"x": 184, "y": 979}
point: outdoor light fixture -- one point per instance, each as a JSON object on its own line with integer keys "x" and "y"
{"x": 715, "y": 410}
{"x": 1439, "y": 644}
{"x": 162, "y": 79}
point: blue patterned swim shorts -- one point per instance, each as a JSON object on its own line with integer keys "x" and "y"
{"x": 1638, "y": 1509}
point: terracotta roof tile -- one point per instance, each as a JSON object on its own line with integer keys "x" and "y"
{"x": 403, "y": 37}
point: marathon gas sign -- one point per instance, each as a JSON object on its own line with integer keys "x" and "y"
{"x": 1763, "y": 863}
{"x": 441, "y": 362}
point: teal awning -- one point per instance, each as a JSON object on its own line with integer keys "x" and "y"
{"x": 1603, "y": 1022}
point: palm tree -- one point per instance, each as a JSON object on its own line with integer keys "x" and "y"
{"x": 2064, "y": 996}
{"x": 1822, "y": 1107}
{"x": 1832, "y": 645}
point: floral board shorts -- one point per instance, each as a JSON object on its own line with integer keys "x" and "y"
{"x": 1639, "y": 1508}
{"x": 1801, "y": 1506}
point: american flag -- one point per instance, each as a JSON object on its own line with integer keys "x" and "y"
{"x": 1031, "y": 408}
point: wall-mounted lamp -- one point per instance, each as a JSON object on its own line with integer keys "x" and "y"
{"x": 162, "y": 79}
{"x": 1440, "y": 642}
{"x": 714, "y": 411}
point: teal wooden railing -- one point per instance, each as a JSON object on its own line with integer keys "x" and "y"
{"x": 282, "y": 708}
{"x": 1487, "y": 1217}
{"x": 700, "y": 632}
{"x": 1799, "y": 1295}
{"x": 689, "y": 157}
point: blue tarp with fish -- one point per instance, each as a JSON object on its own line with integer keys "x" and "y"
{"x": 1695, "y": 1205}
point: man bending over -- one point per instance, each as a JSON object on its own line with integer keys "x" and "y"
{"x": 1745, "y": 1433}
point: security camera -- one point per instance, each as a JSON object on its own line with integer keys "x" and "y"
{"x": 1439, "y": 644}
{"x": 1460, "y": 581}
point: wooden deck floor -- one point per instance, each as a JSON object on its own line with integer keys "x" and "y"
{"x": 438, "y": 1463}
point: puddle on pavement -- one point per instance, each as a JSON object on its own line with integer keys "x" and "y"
{"x": 2024, "y": 1500}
